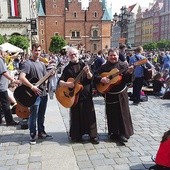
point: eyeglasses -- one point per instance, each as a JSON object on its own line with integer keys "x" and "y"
{"x": 73, "y": 54}
{"x": 37, "y": 50}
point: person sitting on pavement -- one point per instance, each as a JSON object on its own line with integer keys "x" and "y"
{"x": 162, "y": 159}
{"x": 158, "y": 85}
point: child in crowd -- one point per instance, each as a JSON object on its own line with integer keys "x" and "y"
{"x": 158, "y": 85}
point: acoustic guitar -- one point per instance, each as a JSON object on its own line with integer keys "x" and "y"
{"x": 115, "y": 77}
{"x": 22, "y": 111}
{"x": 68, "y": 97}
{"x": 25, "y": 95}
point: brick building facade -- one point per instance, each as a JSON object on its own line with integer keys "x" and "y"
{"x": 90, "y": 27}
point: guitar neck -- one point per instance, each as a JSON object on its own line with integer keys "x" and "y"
{"x": 43, "y": 79}
{"x": 82, "y": 71}
{"x": 78, "y": 77}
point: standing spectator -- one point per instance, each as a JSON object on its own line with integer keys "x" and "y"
{"x": 166, "y": 61}
{"x": 82, "y": 114}
{"x": 34, "y": 68}
{"x": 160, "y": 59}
{"x": 4, "y": 100}
{"x": 9, "y": 59}
{"x": 122, "y": 52}
{"x": 99, "y": 60}
{"x": 117, "y": 104}
{"x": 138, "y": 74}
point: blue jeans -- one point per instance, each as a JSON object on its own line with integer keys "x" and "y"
{"x": 38, "y": 114}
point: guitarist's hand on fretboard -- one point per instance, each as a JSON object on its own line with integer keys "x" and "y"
{"x": 67, "y": 84}
{"x": 88, "y": 72}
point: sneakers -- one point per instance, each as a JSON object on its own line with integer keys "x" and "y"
{"x": 32, "y": 139}
{"x": 44, "y": 135}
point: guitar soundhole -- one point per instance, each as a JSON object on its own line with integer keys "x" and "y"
{"x": 66, "y": 95}
{"x": 70, "y": 89}
{"x": 71, "y": 93}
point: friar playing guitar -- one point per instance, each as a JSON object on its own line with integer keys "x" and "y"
{"x": 68, "y": 97}
{"x": 115, "y": 78}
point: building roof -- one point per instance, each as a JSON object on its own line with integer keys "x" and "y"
{"x": 40, "y": 9}
{"x": 106, "y": 16}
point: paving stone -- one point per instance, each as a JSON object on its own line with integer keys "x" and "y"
{"x": 104, "y": 168}
{"x": 23, "y": 161}
{"x": 82, "y": 158}
{"x": 34, "y": 165}
{"x": 35, "y": 159}
{"x": 96, "y": 156}
{"x": 98, "y": 162}
{"x": 11, "y": 162}
{"x": 85, "y": 164}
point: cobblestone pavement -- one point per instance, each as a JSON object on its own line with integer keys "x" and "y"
{"x": 150, "y": 120}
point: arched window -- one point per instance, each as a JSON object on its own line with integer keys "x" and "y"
{"x": 75, "y": 14}
{"x": 41, "y": 22}
{"x": 42, "y": 41}
{"x": 42, "y": 32}
{"x": 54, "y": 6}
{"x": 95, "y": 14}
{"x": 95, "y": 47}
{"x": 95, "y": 33}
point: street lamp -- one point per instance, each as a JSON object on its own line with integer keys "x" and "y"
{"x": 122, "y": 21}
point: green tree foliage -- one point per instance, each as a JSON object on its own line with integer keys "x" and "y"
{"x": 2, "y": 40}
{"x": 19, "y": 41}
{"x": 56, "y": 44}
{"x": 161, "y": 45}
{"x": 150, "y": 46}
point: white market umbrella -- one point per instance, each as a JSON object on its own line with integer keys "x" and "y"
{"x": 10, "y": 48}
